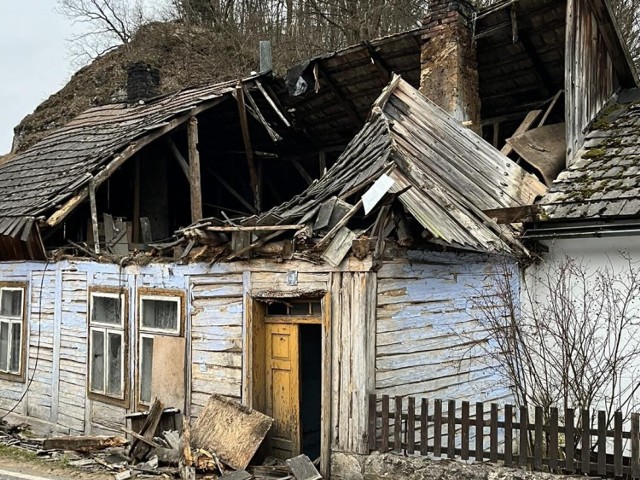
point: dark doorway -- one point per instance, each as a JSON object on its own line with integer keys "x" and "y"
{"x": 310, "y": 388}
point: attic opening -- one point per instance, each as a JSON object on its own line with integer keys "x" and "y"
{"x": 150, "y": 196}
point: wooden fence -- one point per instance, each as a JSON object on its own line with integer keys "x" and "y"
{"x": 550, "y": 443}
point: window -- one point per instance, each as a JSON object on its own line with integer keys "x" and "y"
{"x": 12, "y": 329}
{"x": 159, "y": 315}
{"x": 107, "y": 345}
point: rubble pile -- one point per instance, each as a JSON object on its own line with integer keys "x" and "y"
{"x": 221, "y": 444}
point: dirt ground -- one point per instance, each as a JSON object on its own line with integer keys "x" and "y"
{"x": 27, "y": 462}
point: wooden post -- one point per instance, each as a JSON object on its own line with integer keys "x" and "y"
{"x": 94, "y": 217}
{"x": 524, "y": 444}
{"x": 372, "y": 421}
{"x": 397, "y": 426}
{"x": 602, "y": 442}
{"x": 246, "y": 138}
{"x": 569, "y": 438}
{"x": 537, "y": 449}
{"x": 451, "y": 429}
{"x": 635, "y": 445}
{"x": 384, "y": 445}
{"x": 493, "y": 434}
{"x": 437, "y": 428}
{"x": 479, "y": 431}
{"x": 194, "y": 170}
{"x": 411, "y": 426}
{"x": 586, "y": 441}
{"x": 508, "y": 435}
{"x": 617, "y": 443}
{"x": 464, "y": 450}
{"x": 553, "y": 440}
{"x": 424, "y": 426}
{"x": 136, "y": 201}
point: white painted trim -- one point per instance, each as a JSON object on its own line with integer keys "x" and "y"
{"x": 161, "y": 298}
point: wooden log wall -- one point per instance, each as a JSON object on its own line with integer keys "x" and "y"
{"x": 590, "y": 79}
{"x": 427, "y": 339}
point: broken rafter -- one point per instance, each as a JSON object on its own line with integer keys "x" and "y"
{"x": 272, "y": 103}
{"x": 230, "y": 189}
{"x": 246, "y": 138}
{"x": 301, "y": 170}
{"x": 257, "y": 114}
{"x": 194, "y": 169}
{"x": 526, "y": 124}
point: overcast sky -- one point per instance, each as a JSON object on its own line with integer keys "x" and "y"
{"x": 33, "y": 59}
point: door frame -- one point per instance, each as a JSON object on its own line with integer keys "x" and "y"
{"x": 253, "y": 348}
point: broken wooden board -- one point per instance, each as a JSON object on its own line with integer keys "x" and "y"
{"x": 303, "y": 469}
{"x": 526, "y": 124}
{"x": 339, "y": 247}
{"x": 139, "y": 449}
{"x": 230, "y": 430}
{"x": 167, "y": 378}
{"x": 543, "y": 148}
{"x": 83, "y": 443}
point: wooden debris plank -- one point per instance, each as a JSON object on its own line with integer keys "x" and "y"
{"x": 303, "y": 469}
{"x": 194, "y": 169}
{"x": 237, "y": 475}
{"x": 140, "y": 449}
{"x": 339, "y": 247}
{"x": 230, "y": 430}
{"x": 83, "y": 443}
{"x": 526, "y": 124}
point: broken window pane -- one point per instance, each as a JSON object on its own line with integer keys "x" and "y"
{"x": 160, "y": 314}
{"x": 4, "y": 346}
{"x": 97, "y": 361}
{"x": 106, "y": 310}
{"x": 146, "y": 367}
{"x": 11, "y": 303}
{"x": 114, "y": 380}
{"x": 16, "y": 342}
{"x": 277, "y": 308}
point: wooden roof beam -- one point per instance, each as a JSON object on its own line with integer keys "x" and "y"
{"x": 541, "y": 69}
{"x": 379, "y": 63}
{"x": 246, "y": 138}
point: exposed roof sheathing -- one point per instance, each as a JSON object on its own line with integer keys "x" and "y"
{"x": 604, "y": 181}
{"x": 444, "y": 174}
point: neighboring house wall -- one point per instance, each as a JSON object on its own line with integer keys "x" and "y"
{"x": 427, "y": 328}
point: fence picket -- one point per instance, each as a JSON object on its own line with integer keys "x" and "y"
{"x": 397, "y": 426}
{"x": 635, "y": 445}
{"x": 493, "y": 434}
{"x": 479, "y": 431}
{"x": 553, "y": 440}
{"x": 617, "y": 443}
{"x": 372, "y": 421}
{"x": 384, "y": 444}
{"x": 537, "y": 449}
{"x": 585, "y": 444}
{"x": 411, "y": 425}
{"x": 569, "y": 439}
{"x": 602, "y": 442}
{"x": 424, "y": 426}
{"x": 524, "y": 444}
{"x": 451, "y": 429}
{"x": 464, "y": 447}
{"x": 437, "y": 428}
{"x": 508, "y": 435}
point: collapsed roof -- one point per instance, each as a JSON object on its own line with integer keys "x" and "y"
{"x": 441, "y": 173}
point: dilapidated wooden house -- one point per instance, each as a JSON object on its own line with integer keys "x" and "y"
{"x": 296, "y": 244}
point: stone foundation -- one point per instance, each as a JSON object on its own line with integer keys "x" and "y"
{"x": 396, "y": 467}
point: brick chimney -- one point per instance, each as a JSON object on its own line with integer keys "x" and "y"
{"x": 143, "y": 82}
{"x": 449, "y": 67}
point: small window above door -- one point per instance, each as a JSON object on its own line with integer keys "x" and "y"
{"x": 294, "y": 308}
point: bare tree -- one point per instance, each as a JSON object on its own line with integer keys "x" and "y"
{"x": 569, "y": 338}
{"x": 104, "y": 24}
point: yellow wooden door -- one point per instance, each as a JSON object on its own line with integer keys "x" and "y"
{"x": 283, "y": 389}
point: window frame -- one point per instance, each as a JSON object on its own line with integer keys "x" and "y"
{"x": 163, "y": 294}
{"x": 106, "y": 329}
{"x": 20, "y": 376}
{"x": 150, "y": 293}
